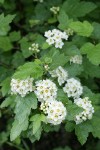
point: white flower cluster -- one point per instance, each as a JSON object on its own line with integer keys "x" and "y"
{"x": 34, "y": 48}
{"x": 73, "y": 88}
{"x": 55, "y": 110}
{"x": 55, "y": 37}
{"x": 55, "y": 10}
{"x": 60, "y": 73}
{"x": 21, "y": 87}
{"x": 88, "y": 110}
{"x": 77, "y": 59}
{"x": 45, "y": 90}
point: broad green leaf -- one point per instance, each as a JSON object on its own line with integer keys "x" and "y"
{"x": 74, "y": 69}
{"x": 5, "y": 86}
{"x": 7, "y": 102}
{"x": 4, "y": 23}
{"x": 37, "y": 119}
{"x": 87, "y": 48}
{"x": 69, "y": 127}
{"x": 89, "y": 69}
{"x": 18, "y": 59}
{"x": 2, "y": 1}
{"x": 61, "y": 96}
{"x": 75, "y": 8}
{"x": 72, "y": 110}
{"x": 22, "y": 111}
{"x": 96, "y": 31}
{"x": 5, "y": 43}
{"x": 24, "y": 44}
{"x": 29, "y": 69}
{"x": 63, "y": 20}
{"x": 57, "y": 59}
{"x": 82, "y": 131}
{"x": 82, "y": 28}
{"x": 92, "y": 51}
{"x": 24, "y": 106}
{"x": 45, "y": 45}
{"x": 17, "y": 128}
{"x": 15, "y": 36}
{"x": 95, "y": 121}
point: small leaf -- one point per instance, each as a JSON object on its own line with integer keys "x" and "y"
{"x": 8, "y": 101}
{"x": 82, "y": 131}
{"x": 83, "y": 29}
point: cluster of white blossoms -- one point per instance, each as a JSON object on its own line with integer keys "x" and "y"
{"x": 55, "y": 37}
{"x": 21, "y": 87}
{"x": 55, "y": 111}
{"x": 34, "y": 48}
{"x": 73, "y": 88}
{"x": 87, "y": 112}
{"x": 55, "y": 10}
{"x": 77, "y": 59}
{"x": 45, "y": 90}
{"x": 61, "y": 74}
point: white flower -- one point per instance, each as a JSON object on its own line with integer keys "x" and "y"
{"x": 56, "y": 37}
{"x": 88, "y": 111}
{"x": 60, "y": 73}
{"x": 34, "y": 47}
{"x": 73, "y": 88}
{"x": 45, "y": 90}
{"x": 59, "y": 44}
{"x": 21, "y": 87}
{"x": 48, "y": 34}
{"x": 55, "y": 10}
{"x": 55, "y": 111}
{"x": 77, "y": 59}
{"x": 50, "y": 41}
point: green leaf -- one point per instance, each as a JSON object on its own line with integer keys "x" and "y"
{"x": 63, "y": 20}
{"x": 69, "y": 127}
{"x": 57, "y": 59}
{"x": 37, "y": 122}
{"x": 74, "y": 69}
{"x": 24, "y": 106}
{"x": 92, "y": 51}
{"x": 5, "y": 43}
{"x": 25, "y": 47}
{"x": 2, "y": 1}
{"x": 45, "y": 45}
{"x": 17, "y": 128}
{"x": 32, "y": 69}
{"x": 22, "y": 111}
{"x": 95, "y": 121}
{"x": 7, "y": 102}
{"x": 18, "y": 59}
{"x": 61, "y": 96}
{"x": 89, "y": 69}
{"x": 72, "y": 110}
{"x": 5, "y": 86}
{"x": 82, "y": 131}
{"x": 83, "y": 29}
{"x": 75, "y": 8}
{"x": 4, "y": 23}
{"x": 15, "y": 36}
